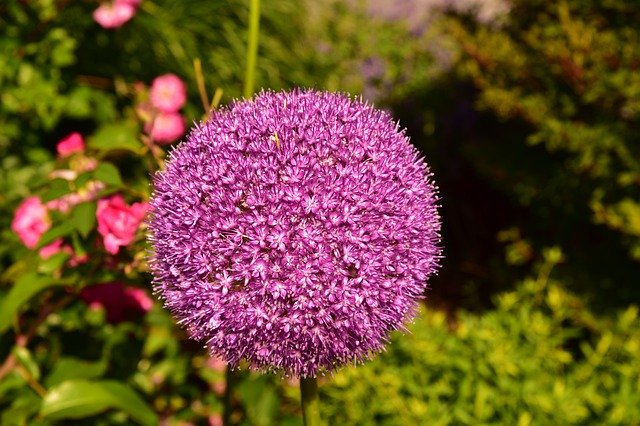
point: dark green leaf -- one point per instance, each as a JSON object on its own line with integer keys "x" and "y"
{"x": 115, "y": 137}
{"x": 59, "y": 231}
{"x": 56, "y": 188}
{"x": 108, "y": 173}
{"x": 23, "y": 290}
{"x": 84, "y": 218}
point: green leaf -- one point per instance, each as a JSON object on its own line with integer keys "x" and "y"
{"x": 21, "y": 410}
{"x": 75, "y": 399}
{"x": 115, "y": 137}
{"x": 53, "y": 263}
{"x": 56, "y": 188}
{"x": 84, "y": 218}
{"x": 62, "y": 230}
{"x": 260, "y": 399}
{"x": 108, "y": 173}
{"x": 23, "y": 290}
{"x": 68, "y": 368}
{"x": 25, "y": 358}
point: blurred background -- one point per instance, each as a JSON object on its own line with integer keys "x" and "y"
{"x": 527, "y": 111}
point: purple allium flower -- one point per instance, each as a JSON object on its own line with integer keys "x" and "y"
{"x": 295, "y": 231}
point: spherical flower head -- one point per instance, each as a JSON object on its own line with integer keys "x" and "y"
{"x": 295, "y": 231}
{"x": 70, "y": 144}
{"x": 30, "y": 221}
{"x": 168, "y": 93}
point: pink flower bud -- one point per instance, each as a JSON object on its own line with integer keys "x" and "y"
{"x": 70, "y": 144}
{"x": 117, "y": 222}
{"x": 167, "y": 127}
{"x": 168, "y": 93}
{"x": 30, "y": 221}
{"x": 113, "y": 15}
{"x": 54, "y": 248}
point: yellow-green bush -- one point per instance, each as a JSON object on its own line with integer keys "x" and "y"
{"x": 540, "y": 358}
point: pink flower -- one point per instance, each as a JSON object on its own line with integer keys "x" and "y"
{"x": 54, "y": 248}
{"x": 70, "y": 144}
{"x": 167, "y": 127}
{"x": 30, "y": 221}
{"x": 168, "y": 93}
{"x": 57, "y": 247}
{"x": 117, "y": 222}
{"x": 215, "y": 420}
{"x": 119, "y": 301}
{"x": 114, "y": 15}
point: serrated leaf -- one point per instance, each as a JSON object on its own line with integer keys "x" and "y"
{"x": 84, "y": 218}
{"x": 75, "y": 399}
{"x": 116, "y": 137}
{"x": 22, "y": 291}
{"x": 108, "y": 173}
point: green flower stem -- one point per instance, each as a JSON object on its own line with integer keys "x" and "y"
{"x": 227, "y": 402}
{"x": 252, "y": 49}
{"x": 310, "y": 404}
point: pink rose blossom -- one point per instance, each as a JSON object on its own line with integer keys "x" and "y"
{"x": 167, "y": 127}
{"x": 168, "y": 93}
{"x": 117, "y": 222}
{"x": 119, "y": 301}
{"x": 30, "y": 221}
{"x": 71, "y": 144}
{"x": 113, "y": 15}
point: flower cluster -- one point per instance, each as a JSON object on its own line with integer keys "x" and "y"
{"x": 295, "y": 230}
{"x": 117, "y": 221}
{"x": 163, "y": 121}
{"x": 114, "y": 14}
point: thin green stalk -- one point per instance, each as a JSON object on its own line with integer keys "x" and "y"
{"x": 252, "y": 49}
{"x": 227, "y": 402}
{"x": 309, "y": 399}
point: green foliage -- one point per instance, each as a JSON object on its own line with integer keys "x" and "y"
{"x": 566, "y": 74}
{"x": 540, "y": 358}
